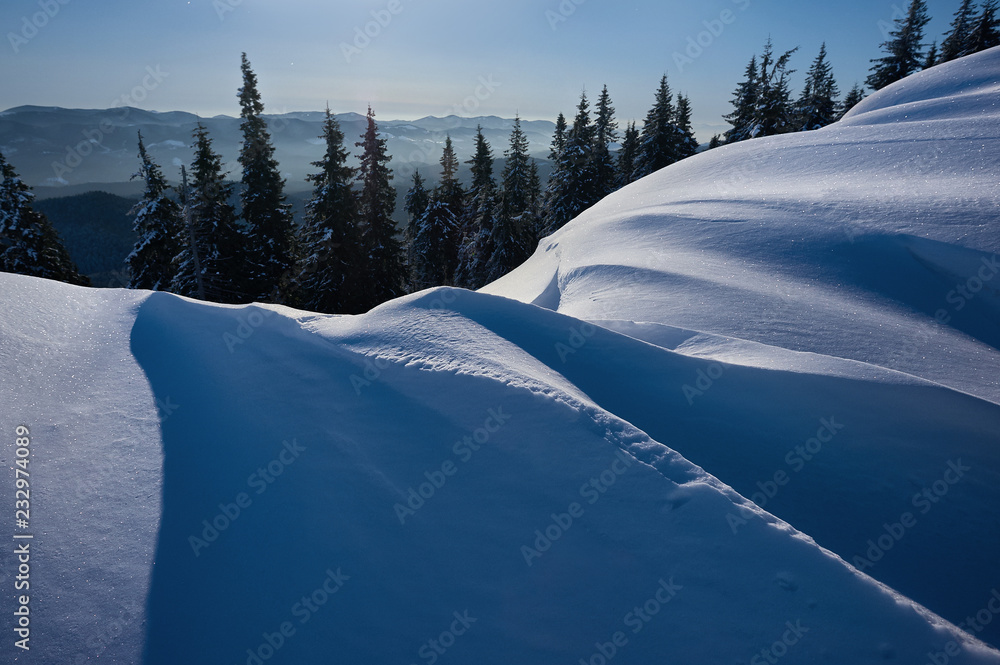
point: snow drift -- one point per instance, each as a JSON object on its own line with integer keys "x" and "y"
{"x": 555, "y": 468}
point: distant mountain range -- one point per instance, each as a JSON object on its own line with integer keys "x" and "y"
{"x": 60, "y": 151}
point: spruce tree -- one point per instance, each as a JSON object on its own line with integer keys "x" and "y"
{"x": 29, "y": 245}
{"x": 572, "y": 186}
{"x": 514, "y": 229}
{"x": 774, "y": 107}
{"x": 479, "y": 217}
{"x": 853, "y": 98}
{"x": 687, "y": 144}
{"x": 715, "y": 142}
{"x": 817, "y": 107}
{"x": 904, "y": 49}
{"x": 744, "y": 105}
{"x": 157, "y": 225}
{"x": 628, "y": 156}
{"x": 986, "y": 31}
{"x": 268, "y": 218}
{"x": 414, "y": 205}
{"x": 605, "y": 133}
{"x": 212, "y": 263}
{"x": 932, "y": 56}
{"x": 558, "y": 139}
{"x": 330, "y": 277}
{"x": 430, "y": 246}
{"x": 660, "y": 139}
{"x": 956, "y": 42}
{"x": 385, "y": 275}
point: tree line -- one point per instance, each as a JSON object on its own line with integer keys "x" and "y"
{"x": 763, "y": 103}
{"x": 347, "y": 256}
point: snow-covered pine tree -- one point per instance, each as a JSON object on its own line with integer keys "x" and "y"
{"x": 384, "y": 273}
{"x": 774, "y": 106}
{"x": 514, "y": 229}
{"x": 29, "y": 245}
{"x": 817, "y": 107}
{"x": 744, "y": 105}
{"x": 605, "y": 134}
{"x": 986, "y": 31}
{"x": 558, "y": 139}
{"x": 414, "y": 205}
{"x": 956, "y": 42}
{"x": 572, "y": 185}
{"x": 687, "y": 144}
{"x": 659, "y": 141}
{"x": 932, "y": 57}
{"x": 430, "y": 243}
{"x": 212, "y": 260}
{"x": 157, "y": 225}
{"x": 329, "y": 278}
{"x": 852, "y": 99}
{"x": 268, "y": 218}
{"x": 479, "y": 218}
{"x": 628, "y": 156}
{"x": 904, "y": 50}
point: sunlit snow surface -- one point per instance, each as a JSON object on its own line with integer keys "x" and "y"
{"x": 758, "y": 321}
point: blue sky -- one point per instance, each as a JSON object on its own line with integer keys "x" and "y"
{"x": 423, "y": 57}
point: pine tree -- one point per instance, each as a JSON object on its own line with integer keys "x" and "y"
{"x": 415, "y": 205}
{"x": 572, "y": 185}
{"x": 605, "y": 133}
{"x": 558, "y": 139}
{"x": 628, "y": 156}
{"x": 659, "y": 141}
{"x": 29, "y": 245}
{"x": 852, "y": 99}
{"x": 479, "y": 218}
{"x": 687, "y": 145}
{"x": 514, "y": 228}
{"x": 385, "y": 275}
{"x": 744, "y": 105}
{"x": 430, "y": 245}
{"x": 158, "y": 227}
{"x": 956, "y": 42}
{"x": 932, "y": 56}
{"x": 212, "y": 260}
{"x": 715, "y": 142}
{"x": 268, "y": 219}
{"x": 986, "y": 32}
{"x": 773, "y": 113}
{"x": 817, "y": 107}
{"x": 903, "y": 51}
{"x": 330, "y": 278}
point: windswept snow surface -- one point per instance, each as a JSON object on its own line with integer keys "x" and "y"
{"x": 553, "y": 469}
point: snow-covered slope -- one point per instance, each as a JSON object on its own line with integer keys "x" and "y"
{"x": 557, "y": 475}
